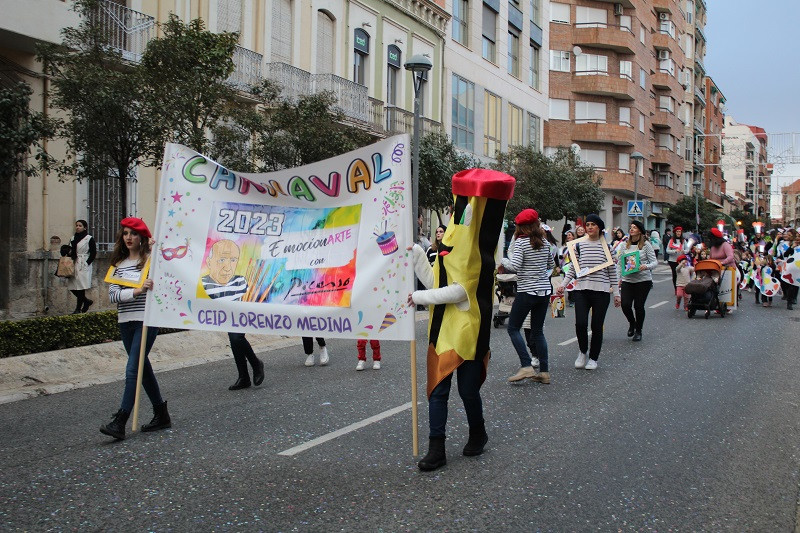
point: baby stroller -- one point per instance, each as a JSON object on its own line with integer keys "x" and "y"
{"x": 705, "y": 289}
{"x": 506, "y": 290}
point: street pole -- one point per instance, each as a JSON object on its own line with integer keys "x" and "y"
{"x": 415, "y": 155}
{"x": 696, "y": 211}
{"x": 637, "y": 157}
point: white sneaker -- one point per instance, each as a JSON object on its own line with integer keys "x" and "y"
{"x": 310, "y": 360}
{"x": 376, "y": 365}
{"x": 360, "y": 365}
{"x": 323, "y": 356}
{"x": 580, "y": 362}
{"x": 535, "y": 362}
{"x": 591, "y": 364}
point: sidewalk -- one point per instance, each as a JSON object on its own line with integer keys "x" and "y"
{"x": 38, "y": 374}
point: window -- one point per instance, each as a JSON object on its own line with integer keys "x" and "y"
{"x": 514, "y": 125}
{"x": 625, "y": 163}
{"x": 665, "y": 141}
{"x": 664, "y": 179}
{"x": 489, "y": 33}
{"x": 667, "y": 65}
{"x": 687, "y": 182}
{"x": 688, "y": 47}
{"x": 394, "y": 60}
{"x": 666, "y": 103}
{"x": 282, "y": 31}
{"x": 625, "y": 23}
{"x": 596, "y": 158}
{"x": 492, "y": 121}
{"x": 590, "y": 64}
{"x": 591, "y": 17}
{"x": 463, "y": 131}
{"x": 360, "y": 56}
{"x": 104, "y": 210}
{"x": 513, "y": 52}
{"x": 559, "y": 109}
{"x": 590, "y": 112}
{"x": 533, "y": 71}
{"x": 667, "y": 27}
{"x": 559, "y": 13}
{"x": 626, "y": 70}
{"x": 461, "y": 21}
{"x": 559, "y": 61}
{"x": 687, "y": 144}
{"x": 625, "y": 116}
{"x": 325, "y": 46}
{"x": 641, "y": 123}
{"x": 536, "y": 12}
{"x": 641, "y": 34}
{"x": 642, "y": 78}
{"x": 534, "y": 131}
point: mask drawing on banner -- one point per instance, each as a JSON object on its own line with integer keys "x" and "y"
{"x": 284, "y": 255}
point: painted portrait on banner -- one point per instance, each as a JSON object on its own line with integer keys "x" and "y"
{"x": 318, "y": 250}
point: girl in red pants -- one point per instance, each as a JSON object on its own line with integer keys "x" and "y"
{"x": 362, "y": 354}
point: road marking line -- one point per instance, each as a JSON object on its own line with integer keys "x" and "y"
{"x": 659, "y": 304}
{"x": 345, "y": 430}
{"x": 570, "y": 341}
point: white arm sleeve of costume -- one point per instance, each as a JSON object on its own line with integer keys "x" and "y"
{"x": 452, "y": 294}
{"x": 422, "y": 268}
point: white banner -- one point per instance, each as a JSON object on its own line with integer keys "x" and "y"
{"x": 728, "y": 287}
{"x": 315, "y": 251}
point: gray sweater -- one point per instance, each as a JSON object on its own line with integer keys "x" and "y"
{"x": 647, "y": 256}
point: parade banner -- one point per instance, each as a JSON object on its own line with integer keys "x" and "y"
{"x": 728, "y": 292}
{"x": 316, "y": 251}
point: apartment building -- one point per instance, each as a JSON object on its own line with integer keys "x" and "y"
{"x": 616, "y": 73}
{"x": 790, "y": 199}
{"x": 712, "y": 178}
{"x": 694, "y": 108}
{"x": 495, "y": 75}
{"x": 744, "y": 162}
{"x": 354, "y": 48}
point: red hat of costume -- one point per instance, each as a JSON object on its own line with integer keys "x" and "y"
{"x": 484, "y": 183}
{"x": 716, "y": 232}
{"x": 682, "y": 257}
{"x": 676, "y": 228}
{"x": 137, "y": 225}
{"x": 526, "y": 216}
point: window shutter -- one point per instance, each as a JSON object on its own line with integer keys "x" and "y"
{"x": 325, "y": 46}
{"x": 282, "y": 31}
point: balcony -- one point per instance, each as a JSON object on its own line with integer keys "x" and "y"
{"x": 622, "y": 181}
{"x": 664, "y": 118}
{"x": 664, "y": 156}
{"x": 699, "y": 96}
{"x": 602, "y": 132}
{"x": 606, "y": 36}
{"x": 665, "y": 6}
{"x": 127, "y": 31}
{"x": 666, "y": 195}
{"x": 294, "y": 82}
{"x": 399, "y": 120}
{"x": 698, "y": 64}
{"x": 247, "y": 69}
{"x": 698, "y": 126}
{"x": 664, "y": 80}
{"x": 614, "y": 85}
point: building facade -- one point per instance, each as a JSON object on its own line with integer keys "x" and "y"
{"x": 616, "y": 72}
{"x": 790, "y": 200}
{"x": 713, "y": 186}
{"x": 744, "y": 161}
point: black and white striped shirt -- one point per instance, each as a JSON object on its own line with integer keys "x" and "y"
{"x": 130, "y": 308}
{"x": 233, "y": 290}
{"x": 533, "y": 267}
{"x": 591, "y": 254}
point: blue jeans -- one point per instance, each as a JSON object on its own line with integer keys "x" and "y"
{"x": 469, "y": 375}
{"x": 132, "y": 339}
{"x": 525, "y": 303}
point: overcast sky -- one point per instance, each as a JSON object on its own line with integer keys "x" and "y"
{"x": 752, "y": 55}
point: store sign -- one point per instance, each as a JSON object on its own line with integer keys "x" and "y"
{"x": 361, "y": 41}
{"x": 393, "y": 53}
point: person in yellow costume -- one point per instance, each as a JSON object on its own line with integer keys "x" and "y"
{"x": 460, "y": 293}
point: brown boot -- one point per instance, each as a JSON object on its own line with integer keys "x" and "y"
{"x": 542, "y": 377}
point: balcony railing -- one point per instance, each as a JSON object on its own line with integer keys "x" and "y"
{"x": 294, "y": 82}
{"x": 247, "y": 71}
{"x": 128, "y": 31}
{"x": 351, "y": 97}
{"x": 701, "y": 97}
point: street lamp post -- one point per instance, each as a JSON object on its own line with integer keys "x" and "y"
{"x": 696, "y": 210}
{"x": 417, "y": 65}
{"x": 637, "y": 157}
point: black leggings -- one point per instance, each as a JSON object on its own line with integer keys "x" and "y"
{"x": 80, "y": 294}
{"x": 674, "y": 266}
{"x": 597, "y": 302}
{"x": 308, "y": 344}
{"x": 635, "y": 294}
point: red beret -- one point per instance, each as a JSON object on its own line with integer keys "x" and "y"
{"x": 678, "y": 228}
{"x": 485, "y": 183}
{"x": 526, "y": 216}
{"x": 137, "y": 225}
{"x": 682, "y": 257}
{"x": 716, "y": 232}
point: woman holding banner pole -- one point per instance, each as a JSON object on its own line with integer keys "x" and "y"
{"x": 130, "y": 255}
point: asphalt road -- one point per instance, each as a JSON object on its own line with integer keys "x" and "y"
{"x": 694, "y": 429}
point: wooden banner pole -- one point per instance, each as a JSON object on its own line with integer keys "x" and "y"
{"x": 414, "y": 410}
{"x": 142, "y": 351}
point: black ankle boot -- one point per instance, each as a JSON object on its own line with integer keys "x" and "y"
{"x": 638, "y": 335}
{"x": 631, "y": 330}
{"x": 258, "y": 372}
{"x": 116, "y": 428}
{"x": 436, "y": 457}
{"x": 477, "y": 440}
{"x": 160, "y": 419}
{"x": 241, "y": 383}
{"x": 87, "y": 303}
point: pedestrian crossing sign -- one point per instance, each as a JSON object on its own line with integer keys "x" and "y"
{"x": 635, "y": 208}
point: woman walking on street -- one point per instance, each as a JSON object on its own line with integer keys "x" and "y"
{"x": 720, "y": 249}
{"x": 82, "y": 250}
{"x": 675, "y": 247}
{"x": 434, "y": 249}
{"x": 635, "y": 287}
{"x": 592, "y": 291}
{"x": 532, "y": 259}
{"x": 130, "y": 255}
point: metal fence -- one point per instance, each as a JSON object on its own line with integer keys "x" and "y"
{"x": 128, "y": 31}
{"x": 247, "y": 72}
{"x": 105, "y": 211}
